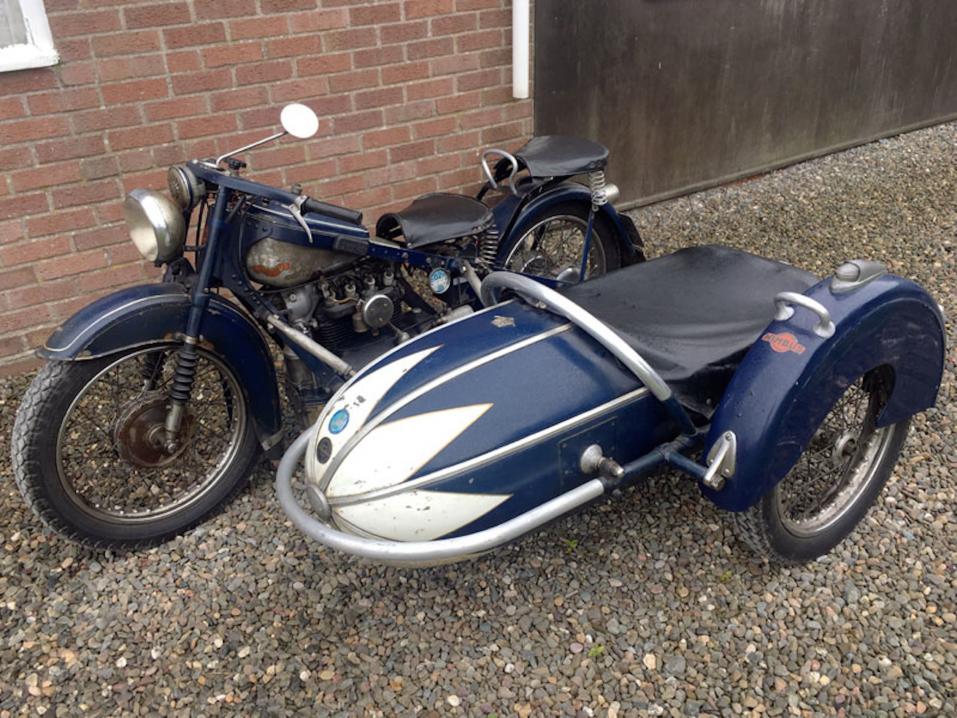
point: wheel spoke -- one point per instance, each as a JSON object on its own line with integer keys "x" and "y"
{"x": 139, "y": 477}
{"x": 836, "y": 462}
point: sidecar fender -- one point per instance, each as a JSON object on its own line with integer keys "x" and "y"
{"x": 790, "y": 378}
{"x": 519, "y": 218}
{"x": 149, "y": 314}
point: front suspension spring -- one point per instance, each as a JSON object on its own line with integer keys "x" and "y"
{"x": 186, "y": 362}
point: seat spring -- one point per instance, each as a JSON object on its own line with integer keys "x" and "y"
{"x": 596, "y": 182}
{"x": 488, "y": 247}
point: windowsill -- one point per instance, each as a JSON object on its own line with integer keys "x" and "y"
{"x": 23, "y": 57}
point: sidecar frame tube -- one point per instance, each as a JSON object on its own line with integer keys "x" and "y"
{"x": 462, "y": 547}
{"x": 536, "y": 292}
{"x": 421, "y": 551}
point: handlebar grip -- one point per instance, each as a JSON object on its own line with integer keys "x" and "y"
{"x": 331, "y": 210}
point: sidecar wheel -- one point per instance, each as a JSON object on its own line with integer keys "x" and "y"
{"x": 833, "y": 484}
{"x": 553, "y": 244}
{"x": 87, "y": 460}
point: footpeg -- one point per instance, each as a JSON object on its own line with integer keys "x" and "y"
{"x": 721, "y": 461}
{"x": 593, "y": 461}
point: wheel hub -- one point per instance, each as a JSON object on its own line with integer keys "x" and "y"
{"x": 844, "y": 448}
{"x": 140, "y": 432}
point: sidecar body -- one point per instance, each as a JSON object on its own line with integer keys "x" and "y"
{"x": 710, "y": 360}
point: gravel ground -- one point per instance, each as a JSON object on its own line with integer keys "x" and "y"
{"x": 643, "y": 606}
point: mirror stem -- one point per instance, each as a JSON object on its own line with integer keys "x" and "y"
{"x": 250, "y": 146}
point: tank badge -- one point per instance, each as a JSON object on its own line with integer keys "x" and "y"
{"x": 271, "y": 271}
{"x": 339, "y": 421}
{"x": 502, "y": 322}
{"x": 439, "y": 281}
{"x": 784, "y": 342}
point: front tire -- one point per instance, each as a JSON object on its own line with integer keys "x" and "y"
{"x": 554, "y": 243}
{"x": 834, "y": 482}
{"x": 88, "y": 453}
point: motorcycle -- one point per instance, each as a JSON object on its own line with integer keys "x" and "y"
{"x": 156, "y": 400}
{"x": 786, "y": 396}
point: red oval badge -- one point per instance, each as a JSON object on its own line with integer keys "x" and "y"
{"x": 784, "y": 342}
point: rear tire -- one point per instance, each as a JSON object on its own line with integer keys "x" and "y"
{"x": 561, "y": 229}
{"x": 816, "y": 506}
{"x": 44, "y": 451}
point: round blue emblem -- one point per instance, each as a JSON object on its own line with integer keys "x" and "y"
{"x": 439, "y": 281}
{"x": 338, "y": 421}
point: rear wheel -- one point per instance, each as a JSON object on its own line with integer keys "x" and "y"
{"x": 832, "y": 485}
{"x": 553, "y": 246}
{"x": 92, "y": 458}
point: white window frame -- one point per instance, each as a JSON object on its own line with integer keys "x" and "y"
{"x": 38, "y": 51}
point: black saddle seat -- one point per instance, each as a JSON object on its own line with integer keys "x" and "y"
{"x": 435, "y": 218}
{"x": 561, "y": 156}
{"x": 692, "y": 314}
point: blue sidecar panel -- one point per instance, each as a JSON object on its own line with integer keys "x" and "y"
{"x": 791, "y": 377}
{"x": 476, "y": 423}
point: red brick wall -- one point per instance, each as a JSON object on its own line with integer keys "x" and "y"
{"x": 407, "y": 92}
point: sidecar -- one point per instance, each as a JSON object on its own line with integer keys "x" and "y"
{"x": 729, "y": 367}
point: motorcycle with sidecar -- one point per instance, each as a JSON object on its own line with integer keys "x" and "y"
{"x": 785, "y": 396}
{"x": 156, "y": 400}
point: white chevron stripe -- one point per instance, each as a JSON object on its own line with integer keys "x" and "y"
{"x": 419, "y": 515}
{"x": 393, "y": 452}
{"x": 359, "y": 400}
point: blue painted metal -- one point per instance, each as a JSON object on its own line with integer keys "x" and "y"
{"x": 775, "y": 401}
{"x": 535, "y": 371}
{"x": 465, "y": 341}
{"x": 151, "y": 314}
{"x": 586, "y": 248}
{"x": 532, "y": 212}
{"x": 199, "y": 296}
{"x": 580, "y": 375}
{"x": 543, "y": 470}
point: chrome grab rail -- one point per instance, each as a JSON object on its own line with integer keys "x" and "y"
{"x": 423, "y": 552}
{"x": 488, "y": 171}
{"x": 598, "y": 330}
{"x": 784, "y": 311}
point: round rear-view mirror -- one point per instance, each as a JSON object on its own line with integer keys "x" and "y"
{"x": 299, "y": 120}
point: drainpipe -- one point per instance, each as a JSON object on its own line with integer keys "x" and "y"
{"x": 520, "y": 35}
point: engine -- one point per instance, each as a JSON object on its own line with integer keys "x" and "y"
{"x": 338, "y": 310}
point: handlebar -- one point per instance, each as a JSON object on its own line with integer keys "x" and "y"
{"x": 332, "y": 210}
{"x": 241, "y": 184}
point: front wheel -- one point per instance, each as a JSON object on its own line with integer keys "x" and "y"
{"x": 92, "y": 458}
{"x": 833, "y": 483}
{"x": 552, "y": 247}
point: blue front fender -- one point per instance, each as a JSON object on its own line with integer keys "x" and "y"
{"x": 517, "y": 218}
{"x": 150, "y": 314}
{"x": 776, "y": 400}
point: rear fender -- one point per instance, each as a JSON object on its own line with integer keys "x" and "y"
{"x": 626, "y": 233}
{"x": 150, "y": 314}
{"x": 790, "y": 378}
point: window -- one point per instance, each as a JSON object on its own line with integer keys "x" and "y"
{"x": 25, "y": 39}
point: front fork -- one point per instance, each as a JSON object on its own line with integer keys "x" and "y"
{"x": 187, "y": 358}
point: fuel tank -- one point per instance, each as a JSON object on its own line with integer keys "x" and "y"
{"x": 278, "y": 253}
{"x": 473, "y": 423}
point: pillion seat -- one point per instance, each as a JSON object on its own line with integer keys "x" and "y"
{"x": 561, "y": 156}
{"x": 692, "y": 314}
{"x": 435, "y": 218}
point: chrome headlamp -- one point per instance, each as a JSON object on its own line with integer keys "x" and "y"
{"x": 185, "y": 188}
{"x": 156, "y": 225}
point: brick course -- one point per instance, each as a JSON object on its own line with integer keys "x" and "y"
{"x": 407, "y": 93}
